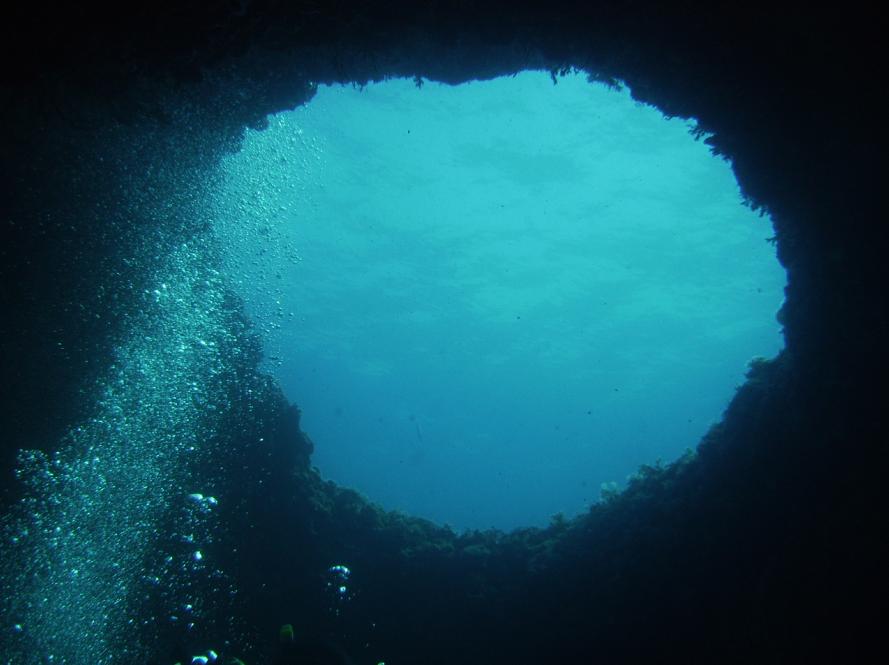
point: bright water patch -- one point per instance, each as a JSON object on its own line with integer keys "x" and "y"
{"x": 491, "y": 299}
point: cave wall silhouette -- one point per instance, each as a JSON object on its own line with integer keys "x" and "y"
{"x": 765, "y": 544}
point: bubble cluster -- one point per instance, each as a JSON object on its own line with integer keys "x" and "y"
{"x": 262, "y": 188}
{"x": 338, "y": 587}
{"x": 83, "y": 550}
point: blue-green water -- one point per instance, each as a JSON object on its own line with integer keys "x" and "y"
{"x": 493, "y": 298}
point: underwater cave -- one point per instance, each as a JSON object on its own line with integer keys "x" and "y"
{"x": 161, "y": 503}
{"x": 491, "y": 300}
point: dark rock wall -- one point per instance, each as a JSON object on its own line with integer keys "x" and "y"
{"x": 762, "y": 546}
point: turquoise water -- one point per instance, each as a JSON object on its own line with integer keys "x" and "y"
{"x": 491, "y": 299}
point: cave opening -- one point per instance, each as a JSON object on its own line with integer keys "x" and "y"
{"x": 756, "y": 549}
{"x": 493, "y": 301}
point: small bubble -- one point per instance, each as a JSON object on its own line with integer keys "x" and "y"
{"x": 340, "y": 571}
